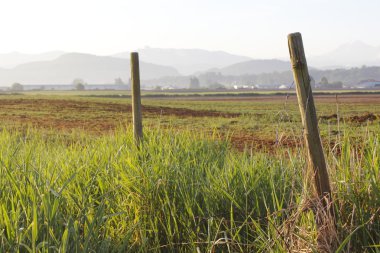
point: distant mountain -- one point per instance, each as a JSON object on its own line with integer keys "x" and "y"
{"x": 92, "y": 69}
{"x": 348, "y": 77}
{"x": 211, "y": 67}
{"x": 254, "y": 67}
{"x": 11, "y": 60}
{"x": 353, "y": 54}
{"x": 187, "y": 61}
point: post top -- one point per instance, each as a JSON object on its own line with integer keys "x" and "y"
{"x": 134, "y": 53}
{"x": 296, "y": 34}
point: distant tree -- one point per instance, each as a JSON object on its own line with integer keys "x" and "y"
{"x": 79, "y": 86}
{"x": 216, "y": 86}
{"x": 78, "y": 80}
{"x": 324, "y": 81}
{"x": 312, "y": 82}
{"x": 17, "y": 87}
{"x": 194, "y": 83}
{"x": 210, "y": 78}
{"x": 119, "y": 81}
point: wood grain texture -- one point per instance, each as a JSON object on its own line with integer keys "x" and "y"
{"x": 316, "y": 156}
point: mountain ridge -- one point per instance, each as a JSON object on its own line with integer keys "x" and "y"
{"x": 10, "y": 60}
{"x": 91, "y": 68}
{"x": 255, "y": 66}
{"x": 105, "y": 69}
{"x": 187, "y": 61}
{"x": 353, "y": 54}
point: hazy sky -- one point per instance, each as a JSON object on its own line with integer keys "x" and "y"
{"x": 256, "y": 28}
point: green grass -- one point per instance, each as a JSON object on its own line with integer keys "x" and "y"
{"x": 188, "y": 188}
{"x": 182, "y": 191}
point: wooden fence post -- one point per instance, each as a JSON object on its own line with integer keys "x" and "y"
{"x": 316, "y": 156}
{"x": 136, "y": 98}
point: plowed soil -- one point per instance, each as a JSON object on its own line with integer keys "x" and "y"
{"x": 101, "y": 116}
{"x": 363, "y": 118}
{"x": 84, "y": 114}
{"x": 248, "y": 141}
{"x": 56, "y": 105}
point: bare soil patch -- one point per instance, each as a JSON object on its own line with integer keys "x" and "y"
{"x": 183, "y": 112}
{"x": 88, "y": 115}
{"x": 84, "y": 106}
{"x": 363, "y": 118}
{"x": 242, "y": 141}
{"x": 329, "y": 117}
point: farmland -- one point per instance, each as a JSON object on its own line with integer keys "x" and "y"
{"x": 215, "y": 173}
{"x": 248, "y": 120}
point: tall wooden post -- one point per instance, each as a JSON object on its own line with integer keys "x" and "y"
{"x": 136, "y": 98}
{"x": 316, "y": 156}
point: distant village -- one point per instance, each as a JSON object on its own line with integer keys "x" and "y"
{"x": 193, "y": 84}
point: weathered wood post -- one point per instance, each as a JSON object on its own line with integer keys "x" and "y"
{"x": 136, "y": 98}
{"x": 316, "y": 156}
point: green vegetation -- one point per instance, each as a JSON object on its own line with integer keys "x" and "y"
{"x": 73, "y": 180}
{"x": 17, "y": 87}
{"x": 180, "y": 191}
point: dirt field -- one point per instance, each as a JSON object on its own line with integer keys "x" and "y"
{"x": 87, "y": 115}
{"x": 59, "y": 105}
{"x": 101, "y": 116}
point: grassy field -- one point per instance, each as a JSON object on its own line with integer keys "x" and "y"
{"x": 214, "y": 174}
